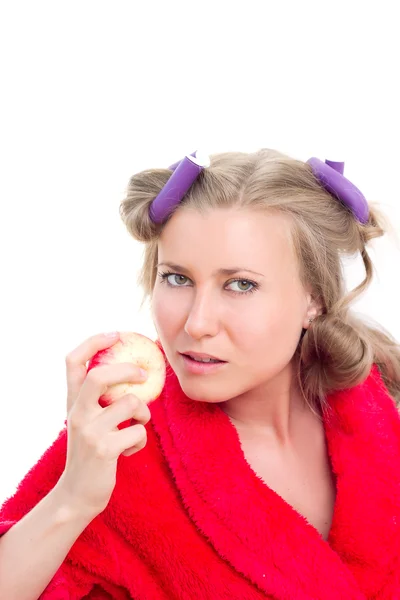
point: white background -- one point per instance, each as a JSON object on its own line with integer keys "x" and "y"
{"x": 92, "y": 92}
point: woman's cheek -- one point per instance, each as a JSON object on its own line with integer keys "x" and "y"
{"x": 167, "y": 310}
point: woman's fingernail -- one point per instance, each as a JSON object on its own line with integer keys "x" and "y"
{"x": 112, "y": 334}
{"x": 143, "y": 373}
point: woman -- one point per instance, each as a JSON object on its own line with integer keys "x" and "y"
{"x": 269, "y": 466}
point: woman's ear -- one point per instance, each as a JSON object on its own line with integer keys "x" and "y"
{"x": 314, "y": 306}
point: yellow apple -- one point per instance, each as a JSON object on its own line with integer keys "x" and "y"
{"x": 141, "y": 351}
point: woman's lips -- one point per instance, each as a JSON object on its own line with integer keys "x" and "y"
{"x": 201, "y": 368}
{"x": 200, "y": 355}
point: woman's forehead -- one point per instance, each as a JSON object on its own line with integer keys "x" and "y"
{"x": 227, "y": 238}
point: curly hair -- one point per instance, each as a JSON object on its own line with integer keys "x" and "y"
{"x": 339, "y": 349}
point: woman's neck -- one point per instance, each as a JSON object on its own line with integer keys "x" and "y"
{"x": 271, "y": 409}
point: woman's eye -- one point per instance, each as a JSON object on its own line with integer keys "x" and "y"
{"x": 176, "y": 280}
{"x": 243, "y": 285}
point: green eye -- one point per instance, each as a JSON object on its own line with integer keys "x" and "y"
{"x": 179, "y": 279}
{"x": 176, "y": 280}
{"x": 243, "y": 285}
{"x": 173, "y": 279}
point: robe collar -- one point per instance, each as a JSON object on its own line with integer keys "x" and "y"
{"x": 260, "y": 534}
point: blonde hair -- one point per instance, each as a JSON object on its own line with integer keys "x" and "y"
{"x": 337, "y": 351}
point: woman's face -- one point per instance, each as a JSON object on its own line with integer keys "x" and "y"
{"x": 228, "y": 286}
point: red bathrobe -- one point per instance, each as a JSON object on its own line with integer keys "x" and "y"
{"x": 189, "y": 519}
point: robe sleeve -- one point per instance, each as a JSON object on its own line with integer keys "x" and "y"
{"x": 68, "y": 583}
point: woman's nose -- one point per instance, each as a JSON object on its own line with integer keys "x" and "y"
{"x": 202, "y": 319}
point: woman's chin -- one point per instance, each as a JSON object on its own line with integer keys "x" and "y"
{"x": 204, "y": 391}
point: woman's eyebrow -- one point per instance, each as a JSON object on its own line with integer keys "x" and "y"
{"x": 230, "y": 271}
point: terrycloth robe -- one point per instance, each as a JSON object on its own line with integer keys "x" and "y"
{"x": 189, "y": 518}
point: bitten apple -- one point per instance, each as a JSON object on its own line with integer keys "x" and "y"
{"x": 141, "y": 351}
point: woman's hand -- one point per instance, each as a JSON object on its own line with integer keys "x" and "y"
{"x": 94, "y": 440}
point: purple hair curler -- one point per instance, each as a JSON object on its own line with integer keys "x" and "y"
{"x": 330, "y": 175}
{"x": 185, "y": 172}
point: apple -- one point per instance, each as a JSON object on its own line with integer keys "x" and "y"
{"x": 141, "y": 351}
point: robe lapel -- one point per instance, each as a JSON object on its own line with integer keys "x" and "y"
{"x": 363, "y": 438}
{"x": 256, "y": 531}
